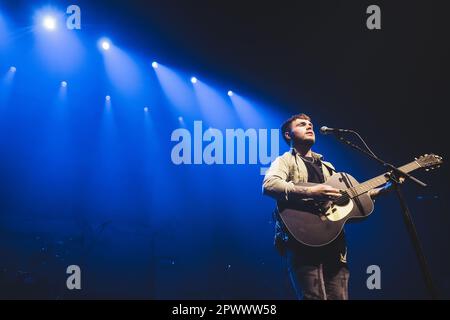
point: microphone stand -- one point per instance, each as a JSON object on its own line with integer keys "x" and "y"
{"x": 407, "y": 219}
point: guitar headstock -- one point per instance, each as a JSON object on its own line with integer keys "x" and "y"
{"x": 429, "y": 161}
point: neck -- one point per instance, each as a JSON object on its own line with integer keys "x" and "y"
{"x": 378, "y": 181}
{"x": 303, "y": 150}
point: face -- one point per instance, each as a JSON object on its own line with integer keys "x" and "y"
{"x": 302, "y": 132}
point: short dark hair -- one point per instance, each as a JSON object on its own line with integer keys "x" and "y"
{"x": 287, "y": 124}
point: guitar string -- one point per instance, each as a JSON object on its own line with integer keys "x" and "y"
{"x": 345, "y": 196}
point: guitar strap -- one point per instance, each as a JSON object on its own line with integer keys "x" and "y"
{"x": 330, "y": 169}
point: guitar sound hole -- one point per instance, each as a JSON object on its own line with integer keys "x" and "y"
{"x": 342, "y": 201}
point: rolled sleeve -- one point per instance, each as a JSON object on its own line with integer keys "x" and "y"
{"x": 275, "y": 183}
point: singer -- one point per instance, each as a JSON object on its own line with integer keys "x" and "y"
{"x": 315, "y": 272}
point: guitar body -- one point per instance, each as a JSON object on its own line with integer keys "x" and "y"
{"x": 317, "y": 223}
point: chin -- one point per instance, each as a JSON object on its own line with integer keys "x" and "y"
{"x": 309, "y": 141}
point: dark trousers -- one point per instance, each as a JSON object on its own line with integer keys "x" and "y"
{"x": 317, "y": 278}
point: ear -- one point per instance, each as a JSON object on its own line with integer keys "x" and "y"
{"x": 287, "y": 135}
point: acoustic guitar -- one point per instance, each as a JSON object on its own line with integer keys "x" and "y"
{"x": 317, "y": 223}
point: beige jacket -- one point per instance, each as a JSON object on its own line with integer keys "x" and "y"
{"x": 286, "y": 171}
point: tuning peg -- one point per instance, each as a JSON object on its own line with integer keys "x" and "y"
{"x": 427, "y": 169}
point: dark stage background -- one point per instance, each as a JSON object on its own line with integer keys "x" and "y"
{"x": 92, "y": 183}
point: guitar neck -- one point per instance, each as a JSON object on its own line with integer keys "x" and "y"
{"x": 379, "y": 180}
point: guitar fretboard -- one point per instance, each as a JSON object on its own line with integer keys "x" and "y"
{"x": 378, "y": 181}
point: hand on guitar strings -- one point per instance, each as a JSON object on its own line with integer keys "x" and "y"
{"x": 323, "y": 192}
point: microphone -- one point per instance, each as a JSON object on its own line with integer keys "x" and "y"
{"x": 326, "y": 130}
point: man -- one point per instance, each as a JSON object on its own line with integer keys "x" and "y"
{"x": 315, "y": 272}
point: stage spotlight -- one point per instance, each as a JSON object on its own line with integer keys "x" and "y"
{"x": 12, "y": 69}
{"x": 180, "y": 119}
{"x": 49, "y": 23}
{"x": 108, "y": 98}
{"x": 154, "y": 64}
{"x": 230, "y": 93}
{"x": 64, "y": 84}
{"x": 106, "y": 45}
{"x": 145, "y": 109}
{"x": 194, "y": 80}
